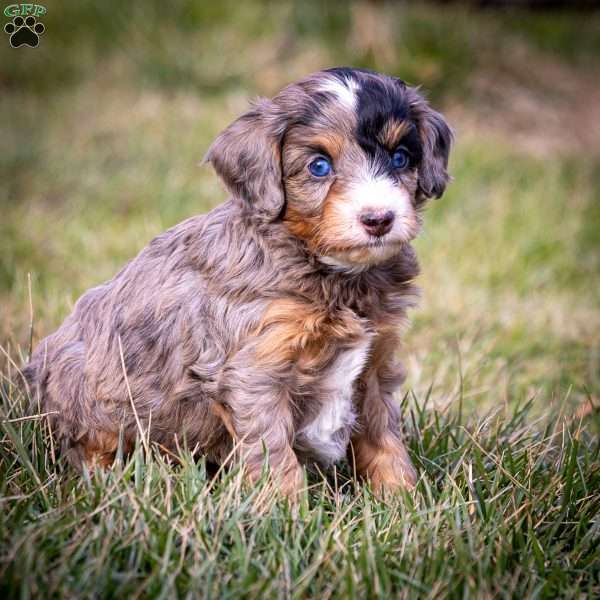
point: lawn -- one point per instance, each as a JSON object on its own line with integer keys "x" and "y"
{"x": 102, "y": 129}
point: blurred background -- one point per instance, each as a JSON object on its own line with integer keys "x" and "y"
{"x": 104, "y": 123}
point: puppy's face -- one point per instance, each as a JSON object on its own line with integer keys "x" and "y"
{"x": 352, "y": 156}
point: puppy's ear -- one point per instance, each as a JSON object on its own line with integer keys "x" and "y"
{"x": 436, "y": 137}
{"x": 247, "y": 157}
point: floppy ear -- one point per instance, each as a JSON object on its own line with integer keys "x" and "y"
{"x": 436, "y": 137}
{"x": 247, "y": 157}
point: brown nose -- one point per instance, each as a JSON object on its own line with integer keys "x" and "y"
{"x": 378, "y": 222}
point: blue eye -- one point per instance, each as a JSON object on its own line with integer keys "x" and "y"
{"x": 400, "y": 159}
{"x": 320, "y": 167}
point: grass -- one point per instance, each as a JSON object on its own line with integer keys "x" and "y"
{"x": 505, "y": 507}
{"x": 102, "y": 129}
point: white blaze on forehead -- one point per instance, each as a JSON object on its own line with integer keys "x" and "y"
{"x": 344, "y": 91}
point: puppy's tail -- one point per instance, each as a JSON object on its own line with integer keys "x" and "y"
{"x": 34, "y": 377}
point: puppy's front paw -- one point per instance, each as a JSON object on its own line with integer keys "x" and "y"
{"x": 291, "y": 482}
{"x": 286, "y": 479}
{"x": 385, "y": 465}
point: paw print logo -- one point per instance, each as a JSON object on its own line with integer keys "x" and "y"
{"x": 24, "y": 31}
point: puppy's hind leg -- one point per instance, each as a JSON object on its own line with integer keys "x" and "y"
{"x": 86, "y": 431}
{"x": 97, "y": 449}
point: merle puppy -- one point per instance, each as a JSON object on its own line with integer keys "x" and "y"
{"x": 272, "y": 321}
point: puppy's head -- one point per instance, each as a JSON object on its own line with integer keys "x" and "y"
{"x": 345, "y": 157}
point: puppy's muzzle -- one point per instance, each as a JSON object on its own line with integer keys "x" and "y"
{"x": 377, "y": 222}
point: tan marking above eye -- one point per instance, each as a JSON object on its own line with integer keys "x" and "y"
{"x": 331, "y": 143}
{"x": 392, "y": 133}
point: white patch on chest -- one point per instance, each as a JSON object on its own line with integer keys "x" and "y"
{"x": 328, "y": 434}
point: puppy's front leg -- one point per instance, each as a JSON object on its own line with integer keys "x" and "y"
{"x": 379, "y": 452}
{"x": 259, "y": 419}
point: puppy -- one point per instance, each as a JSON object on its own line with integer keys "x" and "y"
{"x": 271, "y": 322}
